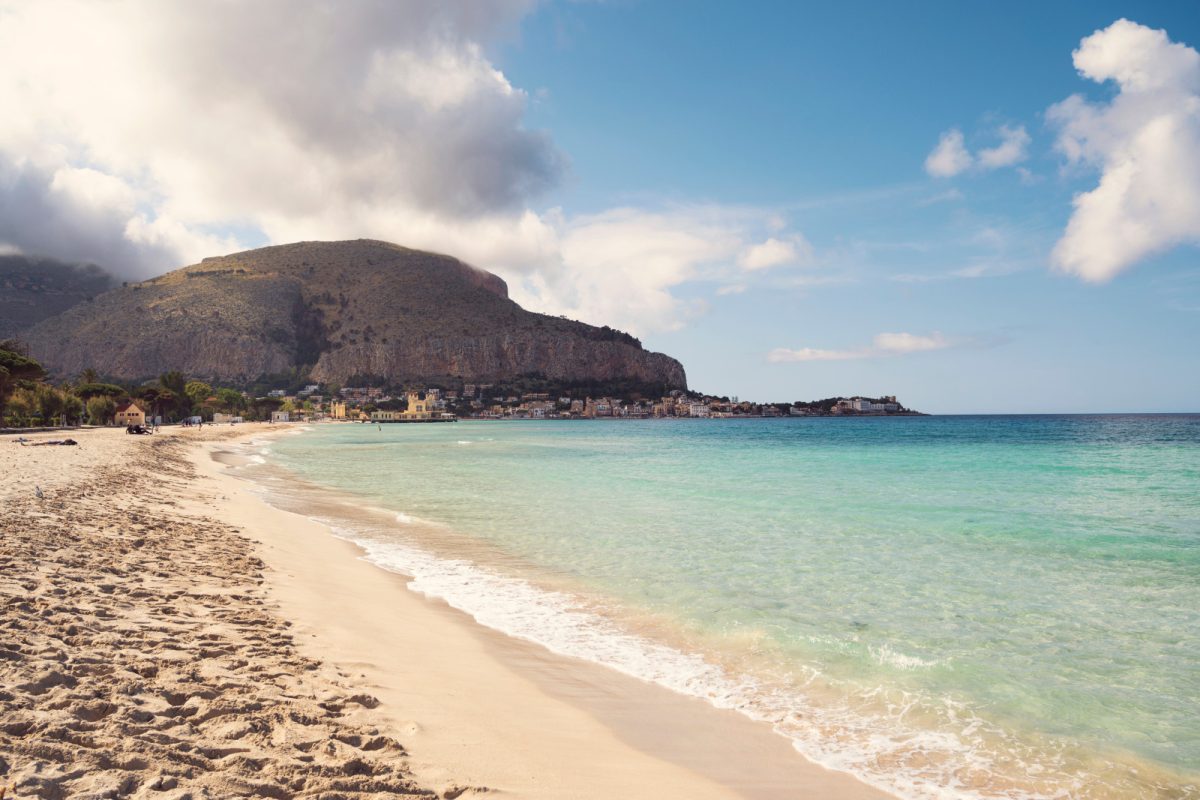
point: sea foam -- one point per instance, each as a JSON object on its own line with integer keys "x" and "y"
{"x": 838, "y": 738}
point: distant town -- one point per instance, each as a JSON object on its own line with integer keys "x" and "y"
{"x": 483, "y": 401}
{"x": 28, "y": 399}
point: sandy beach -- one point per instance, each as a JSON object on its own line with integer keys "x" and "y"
{"x": 169, "y": 634}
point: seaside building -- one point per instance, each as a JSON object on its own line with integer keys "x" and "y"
{"x": 862, "y": 406}
{"x": 337, "y": 409}
{"x": 129, "y": 414}
{"x": 420, "y": 406}
{"x": 539, "y": 409}
{"x": 281, "y": 416}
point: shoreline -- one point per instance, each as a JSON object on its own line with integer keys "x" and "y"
{"x": 146, "y": 547}
{"x": 622, "y": 736}
{"x": 508, "y": 592}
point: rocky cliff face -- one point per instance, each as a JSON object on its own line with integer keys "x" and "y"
{"x": 345, "y": 309}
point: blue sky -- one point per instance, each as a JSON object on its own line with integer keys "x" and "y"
{"x": 827, "y": 112}
{"x": 976, "y": 207}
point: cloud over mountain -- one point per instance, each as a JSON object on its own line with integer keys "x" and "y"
{"x": 153, "y": 133}
{"x": 147, "y": 129}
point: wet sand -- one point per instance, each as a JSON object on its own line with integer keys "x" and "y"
{"x": 169, "y": 634}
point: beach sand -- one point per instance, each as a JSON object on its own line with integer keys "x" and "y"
{"x": 169, "y": 634}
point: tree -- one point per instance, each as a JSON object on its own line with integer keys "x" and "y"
{"x": 16, "y": 367}
{"x": 89, "y": 376}
{"x": 261, "y": 407}
{"x": 173, "y": 381}
{"x": 166, "y": 402}
{"x": 50, "y": 403}
{"x": 90, "y": 390}
{"x": 21, "y": 408}
{"x": 197, "y": 392}
{"x": 174, "y": 400}
{"x": 100, "y": 410}
{"x": 231, "y": 399}
{"x": 72, "y": 408}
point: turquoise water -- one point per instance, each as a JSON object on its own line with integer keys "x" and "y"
{"x": 945, "y": 606}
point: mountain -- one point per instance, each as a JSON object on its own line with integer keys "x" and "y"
{"x": 347, "y": 310}
{"x": 32, "y": 289}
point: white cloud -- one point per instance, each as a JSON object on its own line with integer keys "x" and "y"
{"x": 153, "y": 133}
{"x": 784, "y": 355}
{"x": 144, "y": 125}
{"x": 733, "y": 288}
{"x": 620, "y": 267}
{"x": 1011, "y": 150}
{"x": 775, "y": 252}
{"x": 949, "y": 157}
{"x": 882, "y": 346}
{"x": 900, "y": 343}
{"x": 948, "y": 196}
{"x": 1146, "y": 144}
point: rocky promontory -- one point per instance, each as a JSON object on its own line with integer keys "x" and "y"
{"x": 340, "y": 310}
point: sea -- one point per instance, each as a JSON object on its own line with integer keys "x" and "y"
{"x": 943, "y": 606}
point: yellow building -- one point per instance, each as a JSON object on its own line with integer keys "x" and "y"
{"x": 337, "y": 409}
{"x": 419, "y": 406}
{"x": 129, "y": 414}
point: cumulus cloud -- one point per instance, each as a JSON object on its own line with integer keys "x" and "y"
{"x": 1145, "y": 142}
{"x": 620, "y": 267}
{"x": 1011, "y": 150}
{"x": 951, "y": 157}
{"x": 152, "y": 133}
{"x": 145, "y": 125}
{"x": 882, "y": 346}
{"x": 775, "y": 252}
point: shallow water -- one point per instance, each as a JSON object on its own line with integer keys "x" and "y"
{"x": 944, "y": 606}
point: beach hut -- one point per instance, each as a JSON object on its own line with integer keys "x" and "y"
{"x": 129, "y": 414}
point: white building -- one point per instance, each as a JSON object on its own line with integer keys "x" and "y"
{"x": 281, "y": 416}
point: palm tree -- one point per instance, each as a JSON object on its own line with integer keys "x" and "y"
{"x": 173, "y": 393}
